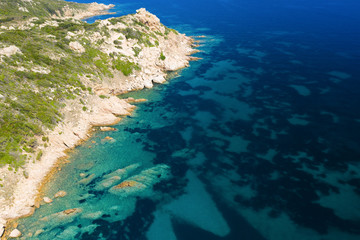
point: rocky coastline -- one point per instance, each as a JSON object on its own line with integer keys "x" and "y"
{"x": 170, "y": 52}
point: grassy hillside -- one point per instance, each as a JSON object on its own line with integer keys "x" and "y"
{"x": 21, "y": 9}
{"x": 44, "y": 71}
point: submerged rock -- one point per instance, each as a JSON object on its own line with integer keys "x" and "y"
{"x": 72, "y": 210}
{"x": 107, "y": 129}
{"x": 141, "y": 184}
{"x": 60, "y": 194}
{"x": 87, "y": 180}
{"x": 106, "y": 183}
{"x": 125, "y": 184}
{"x": 128, "y": 188}
{"x": 38, "y": 232}
{"x": 124, "y": 172}
{"x": 92, "y": 215}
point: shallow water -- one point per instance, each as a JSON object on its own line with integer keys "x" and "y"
{"x": 259, "y": 140}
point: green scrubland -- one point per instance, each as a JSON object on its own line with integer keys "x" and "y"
{"x": 31, "y": 99}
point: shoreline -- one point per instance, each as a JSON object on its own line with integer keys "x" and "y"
{"x": 78, "y": 126}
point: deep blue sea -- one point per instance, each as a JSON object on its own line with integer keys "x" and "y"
{"x": 258, "y": 140}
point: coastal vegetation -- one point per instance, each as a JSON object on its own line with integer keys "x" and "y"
{"x": 19, "y": 9}
{"x": 43, "y": 69}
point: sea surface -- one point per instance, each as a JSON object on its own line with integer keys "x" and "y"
{"x": 258, "y": 140}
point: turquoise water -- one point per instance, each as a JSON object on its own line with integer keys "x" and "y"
{"x": 259, "y": 140}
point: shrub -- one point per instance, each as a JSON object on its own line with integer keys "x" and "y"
{"x": 126, "y": 67}
{"x": 162, "y": 56}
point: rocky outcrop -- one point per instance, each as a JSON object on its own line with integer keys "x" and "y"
{"x": 149, "y": 20}
{"x": 8, "y": 51}
{"x": 92, "y": 9}
{"x": 76, "y": 47}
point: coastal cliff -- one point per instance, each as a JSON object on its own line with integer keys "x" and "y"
{"x": 59, "y": 79}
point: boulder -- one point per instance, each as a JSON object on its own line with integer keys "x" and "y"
{"x": 71, "y": 211}
{"x": 76, "y": 47}
{"x": 159, "y": 79}
{"x": 60, "y": 194}
{"x": 107, "y": 129}
{"x": 15, "y": 233}
{"x": 47, "y": 200}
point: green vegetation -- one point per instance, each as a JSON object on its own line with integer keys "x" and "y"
{"x": 35, "y": 82}
{"x": 168, "y": 30}
{"x": 162, "y": 56}
{"x": 35, "y": 8}
{"x": 126, "y": 67}
{"x": 142, "y": 37}
{"x": 136, "y": 51}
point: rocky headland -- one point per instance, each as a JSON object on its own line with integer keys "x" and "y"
{"x": 129, "y": 53}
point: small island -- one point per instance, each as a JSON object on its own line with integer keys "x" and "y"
{"x": 60, "y": 78}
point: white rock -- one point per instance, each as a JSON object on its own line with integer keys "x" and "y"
{"x": 159, "y": 79}
{"x": 60, "y": 194}
{"x": 15, "y": 233}
{"x": 2, "y": 230}
{"x": 8, "y": 51}
{"x": 2, "y": 96}
{"x": 76, "y": 47}
{"x": 148, "y": 84}
{"x": 47, "y": 200}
